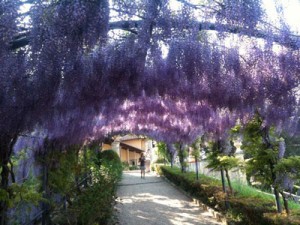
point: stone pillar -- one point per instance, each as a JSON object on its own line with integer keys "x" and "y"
{"x": 128, "y": 156}
{"x": 116, "y": 147}
{"x": 240, "y": 155}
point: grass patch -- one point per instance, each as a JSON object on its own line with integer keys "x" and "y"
{"x": 248, "y": 191}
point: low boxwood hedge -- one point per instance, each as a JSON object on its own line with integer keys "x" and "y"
{"x": 244, "y": 210}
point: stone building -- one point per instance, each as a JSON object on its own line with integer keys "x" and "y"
{"x": 130, "y": 147}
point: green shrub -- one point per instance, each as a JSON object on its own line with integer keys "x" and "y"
{"x": 134, "y": 167}
{"x": 152, "y": 167}
{"x": 157, "y": 168}
{"x": 93, "y": 204}
{"x": 125, "y": 165}
{"x": 110, "y": 155}
{"x": 61, "y": 178}
{"x": 161, "y": 160}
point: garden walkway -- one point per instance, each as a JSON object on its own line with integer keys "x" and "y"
{"x": 153, "y": 201}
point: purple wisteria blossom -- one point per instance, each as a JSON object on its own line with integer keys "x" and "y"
{"x": 80, "y": 70}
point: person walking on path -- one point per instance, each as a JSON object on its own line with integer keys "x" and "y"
{"x": 142, "y": 165}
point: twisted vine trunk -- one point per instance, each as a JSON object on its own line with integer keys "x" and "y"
{"x": 222, "y": 170}
{"x": 266, "y": 139}
{"x": 285, "y": 203}
{"x": 45, "y": 205}
{"x": 227, "y": 206}
{"x": 197, "y": 172}
{"x": 276, "y": 191}
{"x": 4, "y": 178}
{"x": 228, "y": 180}
{"x": 223, "y": 181}
{"x": 6, "y": 147}
{"x": 47, "y": 163}
{"x": 181, "y": 158}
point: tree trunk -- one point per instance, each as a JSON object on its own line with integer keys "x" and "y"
{"x": 276, "y": 192}
{"x": 228, "y": 180}
{"x": 6, "y": 147}
{"x": 266, "y": 140}
{"x": 4, "y": 186}
{"x": 277, "y": 199}
{"x": 12, "y": 174}
{"x": 197, "y": 172}
{"x": 45, "y": 205}
{"x": 223, "y": 181}
{"x": 181, "y": 159}
{"x": 47, "y": 162}
{"x": 285, "y": 203}
{"x": 78, "y": 172}
{"x": 224, "y": 189}
{"x": 223, "y": 178}
{"x": 85, "y": 181}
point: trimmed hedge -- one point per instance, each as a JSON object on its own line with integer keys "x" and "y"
{"x": 243, "y": 210}
{"x": 110, "y": 155}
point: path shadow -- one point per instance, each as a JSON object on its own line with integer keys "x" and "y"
{"x": 154, "y": 201}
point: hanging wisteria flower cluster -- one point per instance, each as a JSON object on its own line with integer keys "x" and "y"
{"x": 89, "y": 68}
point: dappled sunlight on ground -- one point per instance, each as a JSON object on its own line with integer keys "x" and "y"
{"x": 154, "y": 201}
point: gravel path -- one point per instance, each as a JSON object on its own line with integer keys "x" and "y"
{"x": 153, "y": 201}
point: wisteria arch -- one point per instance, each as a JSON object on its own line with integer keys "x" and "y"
{"x": 79, "y": 70}
{"x": 76, "y": 77}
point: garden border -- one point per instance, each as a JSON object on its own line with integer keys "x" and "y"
{"x": 217, "y": 215}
